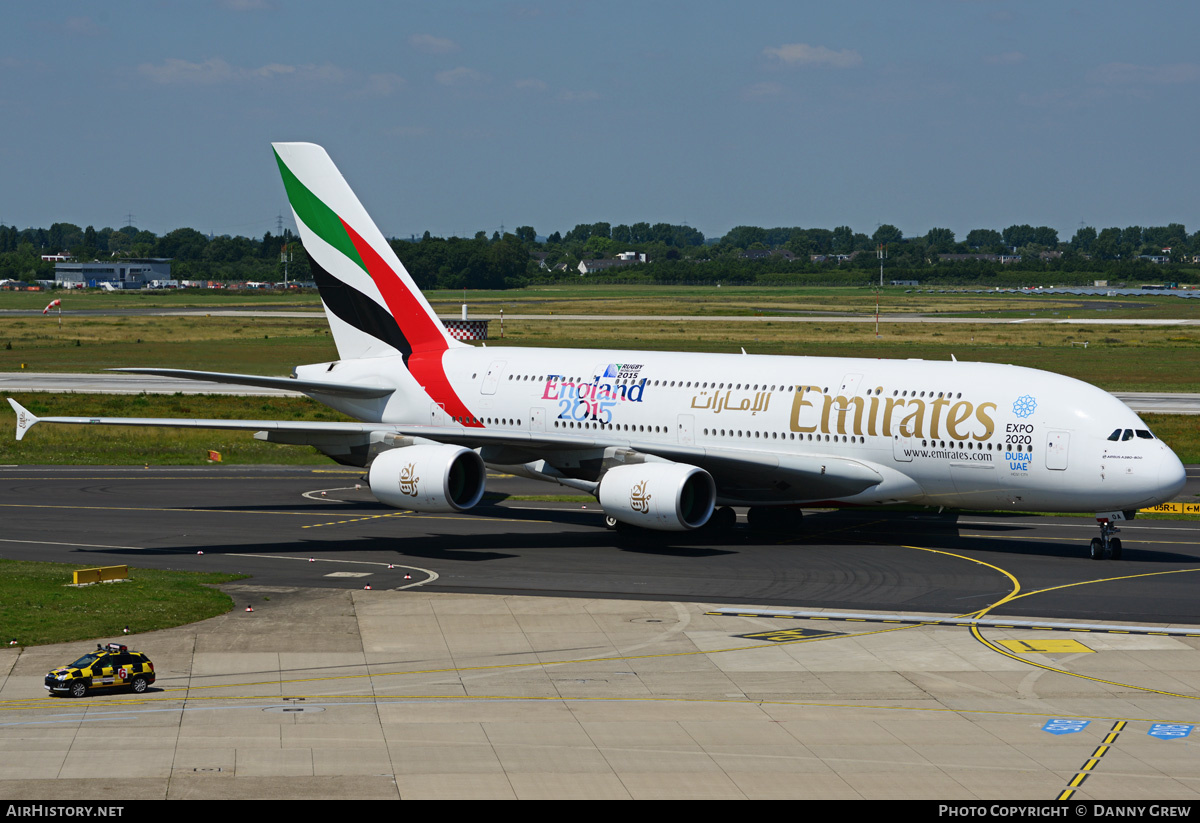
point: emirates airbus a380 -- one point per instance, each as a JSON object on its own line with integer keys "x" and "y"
{"x": 669, "y": 440}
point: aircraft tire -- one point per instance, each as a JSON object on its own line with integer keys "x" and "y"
{"x": 1097, "y": 549}
{"x": 1114, "y": 548}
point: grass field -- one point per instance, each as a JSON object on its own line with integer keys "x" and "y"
{"x": 38, "y": 607}
{"x": 122, "y": 446}
{"x": 1117, "y": 357}
{"x": 586, "y": 298}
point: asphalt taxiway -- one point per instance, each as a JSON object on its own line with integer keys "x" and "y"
{"x": 531, "y": 653}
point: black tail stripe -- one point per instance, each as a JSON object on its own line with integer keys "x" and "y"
{"x": 356, "y": 309}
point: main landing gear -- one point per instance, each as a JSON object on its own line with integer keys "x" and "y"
{"x": 1106, "y": 544}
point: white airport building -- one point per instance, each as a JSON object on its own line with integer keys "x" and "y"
{"x": 127, "y": 273}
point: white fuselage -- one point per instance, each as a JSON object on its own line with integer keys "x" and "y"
{"x": 968, "y": 435}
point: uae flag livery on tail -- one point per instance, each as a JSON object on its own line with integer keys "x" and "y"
{"x": 374, "y": 307}
{"x": 356, "y": 269}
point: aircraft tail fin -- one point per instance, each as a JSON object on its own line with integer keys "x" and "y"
{"x": 372, "y": 303}
{"x": 25, "y": 418}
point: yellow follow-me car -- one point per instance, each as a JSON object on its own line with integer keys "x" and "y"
{"x": 111, "y": 666}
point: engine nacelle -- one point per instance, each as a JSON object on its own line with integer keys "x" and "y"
{"x": 664, "y": 496}
{"x": 428, "y": 478}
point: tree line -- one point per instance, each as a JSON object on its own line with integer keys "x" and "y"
{"x": 676, "y": 254}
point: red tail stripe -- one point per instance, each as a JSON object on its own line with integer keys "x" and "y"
{"x": 427, "y": 368}
{"x": 423, "y": 332}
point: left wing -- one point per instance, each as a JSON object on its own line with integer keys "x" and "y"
{"x": 284, "y": 383}
{"x": 738, "y": 474}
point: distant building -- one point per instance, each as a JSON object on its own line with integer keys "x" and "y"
{"x": 129, "y": 273}
{"x": 624, "y": 259}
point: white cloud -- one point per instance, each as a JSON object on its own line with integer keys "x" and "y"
{"x": 215, "y": 71}
{"x": 531, "y": 83}
{"x": 382, "y": 85}
{"x": 461, "y": 76}
{"x": 432, "y": 45}
{"x": 805, "y": 55}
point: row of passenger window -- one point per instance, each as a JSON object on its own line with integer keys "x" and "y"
{"x": 761, "y": 435}
{"x": 704, "y": 384}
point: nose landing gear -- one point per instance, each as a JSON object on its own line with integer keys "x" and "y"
{"x": 1106, "y": 544}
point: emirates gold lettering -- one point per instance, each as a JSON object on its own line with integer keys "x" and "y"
{"x": 960, "y": 420}
{"x": 842, "y": 405}
{"x": 937, "y": 411}
{"x": 959, "y": 412}
{"x": 986, "y": 420}
{"x": 873, "y": 413}
{"x": 917, "y": 419}
{"x": 798, "y": 403}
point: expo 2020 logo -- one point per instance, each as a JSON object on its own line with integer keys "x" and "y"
{"x": 1024, "y": 405}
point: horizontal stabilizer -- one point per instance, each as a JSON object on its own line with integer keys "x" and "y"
{"x": 25, "y": 418}
{"x": 282, "y": 383}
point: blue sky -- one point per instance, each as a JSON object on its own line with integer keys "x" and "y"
{"x": 456, "y": 117}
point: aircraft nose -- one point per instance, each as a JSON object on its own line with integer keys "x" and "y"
{"x": 1171, "y": 476}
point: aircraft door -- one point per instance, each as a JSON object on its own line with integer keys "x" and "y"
{"x": 901, "y": 448}
{"x": 537, "y": 420}
{"x": 1057, "y": 445}
{"x": 850, "y": 385}
{"x": 492, "y": 379}
{"x": 437, "y": 414}
{"x": 686, "y": 426}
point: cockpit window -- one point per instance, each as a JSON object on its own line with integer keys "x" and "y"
{"x": 1145, "y": 434}
{"x": 1128, "y": 435}
{"x": 1116, "y": 435}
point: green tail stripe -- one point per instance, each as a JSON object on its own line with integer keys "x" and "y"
{"x": 316, "y": 215}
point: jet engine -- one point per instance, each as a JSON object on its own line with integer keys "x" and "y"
{"x": 663, "y": 496}
{"x": 428, "y": 478}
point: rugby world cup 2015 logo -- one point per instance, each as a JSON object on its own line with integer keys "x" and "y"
{"x": 21, "y": 419}
{"x": 639, "y": 501}
{"x": 408, "y": 482}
